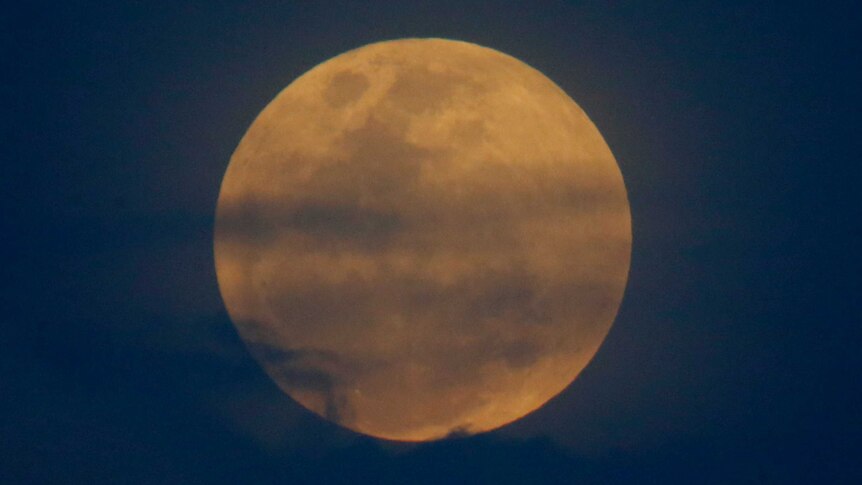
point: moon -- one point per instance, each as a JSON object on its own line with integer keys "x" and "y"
{"x": 422, "y": 238}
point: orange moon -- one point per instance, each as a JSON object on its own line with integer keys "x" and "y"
{"x": 422, "y": 237}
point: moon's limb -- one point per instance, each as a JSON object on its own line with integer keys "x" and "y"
{"x": 422, "y": 237}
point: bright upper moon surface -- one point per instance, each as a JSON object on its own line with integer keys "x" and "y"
{"x": 422, "y": 237}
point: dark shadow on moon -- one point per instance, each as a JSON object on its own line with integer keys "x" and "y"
{"x": 420, "y": 90}
{"x": 305, "y": 370}
{"x": 345, "y": 88}
{"x": 328, "y": 224}
{"x": 363, "y": 227}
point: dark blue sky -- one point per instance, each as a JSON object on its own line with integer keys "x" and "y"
{"x": 733, "y": 359}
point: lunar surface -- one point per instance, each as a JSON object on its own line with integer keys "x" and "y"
{"x": 421, "y": 238}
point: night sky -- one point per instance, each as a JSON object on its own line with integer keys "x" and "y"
{"x": 734, "y": 357}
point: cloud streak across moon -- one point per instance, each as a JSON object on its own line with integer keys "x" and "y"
{"x": 421, "y": 237}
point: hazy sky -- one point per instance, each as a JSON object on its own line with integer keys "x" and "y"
{"x": 733, "y": 358}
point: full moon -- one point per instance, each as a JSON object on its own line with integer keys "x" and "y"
{"x": 422, "y": 238}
